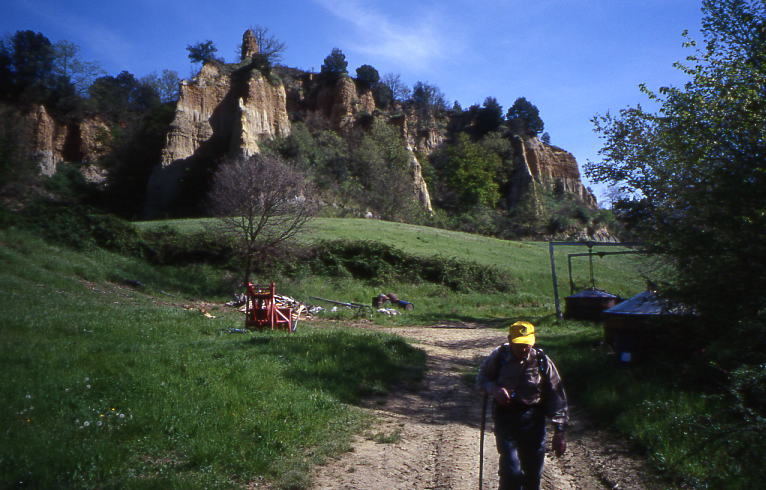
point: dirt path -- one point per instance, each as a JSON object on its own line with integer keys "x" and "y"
{"x": 429, "y": 439}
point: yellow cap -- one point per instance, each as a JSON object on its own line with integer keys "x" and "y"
{"x": 522, "y": 333}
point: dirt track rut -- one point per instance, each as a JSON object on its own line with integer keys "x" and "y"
{"x": 436, "y": 431}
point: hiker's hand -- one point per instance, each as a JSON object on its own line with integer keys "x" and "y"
{"x": 502, "y": 396}
{"x": 559, "y": 444}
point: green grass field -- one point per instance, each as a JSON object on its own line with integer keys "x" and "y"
{"x": 107, "y": 385}
{"x": 527, "y": 263}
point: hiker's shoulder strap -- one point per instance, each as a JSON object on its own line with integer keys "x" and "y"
{"x": 502, "y": 355}
{"x": 542, "y": 362}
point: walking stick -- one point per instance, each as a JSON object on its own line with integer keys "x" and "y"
{"x": 481, "y": 440}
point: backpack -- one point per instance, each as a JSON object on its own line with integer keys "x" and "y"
{"x": 542, "y": 361}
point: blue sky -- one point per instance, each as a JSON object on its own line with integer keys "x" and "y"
{"x": 571, "y": 58}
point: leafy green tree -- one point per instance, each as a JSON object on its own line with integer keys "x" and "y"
{"x": 29, "y": 74}
{"x": 335, "y": 66}
{"x": 32, "y": 59}
{"x": 383, "y": 95}
{"x": 695, "y": 171}
{"x": 122, "y": 97}
{"x": 166, "y": 84}
{"x": 6, "y": 81}
{"x": 469, "y": 172}
{"x": 202, "y": 52}
{"x": 324, "y": 157}
{"x": 381, "y": 163}
{"x": 367, "y": 76}
{"x": 524, "y": 117}
{"x": 489, "y": 118}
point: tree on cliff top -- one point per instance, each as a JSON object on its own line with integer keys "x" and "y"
{"x": 202, "y": 52}
{"x": 261, "y": 202}
{"x": 367, "y": 76}
{"x": 269, "y": 47}
{"x": 399, "y": 90}
{"x": 335, "y": 66}
{"x": 67, "y": 64}
{"x": 523, "y": 116}
{"x": 428, "y": 100}
{"x": 489, "y": 117}
{"x": 696, "y": 170}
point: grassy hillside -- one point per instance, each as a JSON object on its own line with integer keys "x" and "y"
{"x": 113, "y": 376}
{"x": 108, "y": 386}
{"x": 527, "y": 264}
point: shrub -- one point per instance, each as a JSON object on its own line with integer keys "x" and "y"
{"x": 378, "y": 262}
{"x": 166, "y": 246}
{"x": 79, "y": 227}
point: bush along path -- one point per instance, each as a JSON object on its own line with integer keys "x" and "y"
{"x": 428, "y": 437}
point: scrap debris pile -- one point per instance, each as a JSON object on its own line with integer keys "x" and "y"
{"x": 303, "y": 311}
{"x": 381, "y": 299}
{"x": 300, "y": 310}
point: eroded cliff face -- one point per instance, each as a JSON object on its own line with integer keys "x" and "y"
{"x": 420, "y": 139}
{"x": 340, "y": 103}
{"x": 199, "y": 114}
{"x": 39, "y": 141}
{"x": 262, "y": 115}
{"x": 219, "y": 113}
{"x": 230, "y": 110}
{"x": 36, "y": 138}
{"x": 538, "y": 166}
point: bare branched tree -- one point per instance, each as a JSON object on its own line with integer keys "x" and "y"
{"x": 399, "y": 90}
{"x": 261, "y": 202}
{"x": 269, "y": 47}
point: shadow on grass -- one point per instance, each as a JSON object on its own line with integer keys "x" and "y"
{"x": 491, "y": 322}
{"x": 350, "y": 366}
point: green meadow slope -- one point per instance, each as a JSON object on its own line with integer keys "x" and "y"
{"x": 526, "y": 263}
{"x": 113, "y": 377}
{"x": 107, "y": 386}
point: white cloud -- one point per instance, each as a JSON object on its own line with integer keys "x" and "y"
{"x": 412, "y": 45}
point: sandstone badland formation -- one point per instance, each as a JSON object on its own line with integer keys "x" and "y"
{"x": 43, "y": 143}
{"x": 230, "y": 110}
{"x": 540, "y": 166}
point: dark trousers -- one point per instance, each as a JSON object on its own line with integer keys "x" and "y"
{"x": 520, "y": 438}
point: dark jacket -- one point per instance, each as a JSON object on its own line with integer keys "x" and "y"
{"x": 534, "y": 381}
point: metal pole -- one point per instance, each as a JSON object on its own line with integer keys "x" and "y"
{"x": 555, "y": 281}
{"x": 590, "y": 246}
{"x": 481, "y": 440}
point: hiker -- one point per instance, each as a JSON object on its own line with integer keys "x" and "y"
{"x": 526, "y": 388}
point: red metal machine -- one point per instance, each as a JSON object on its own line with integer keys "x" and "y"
{"x": 262, "y": 310}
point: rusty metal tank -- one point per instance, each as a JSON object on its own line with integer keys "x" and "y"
{"x": 589, "y": 304}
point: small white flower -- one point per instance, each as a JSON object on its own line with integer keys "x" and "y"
{"x": 87, "y": 386}
{"x": 87, "y": 379}
{"x": 86, "y": 424}
{"x": 28, "y": 397}
{"x": 122, "y": 415}
{"x": 99, "y": 423}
